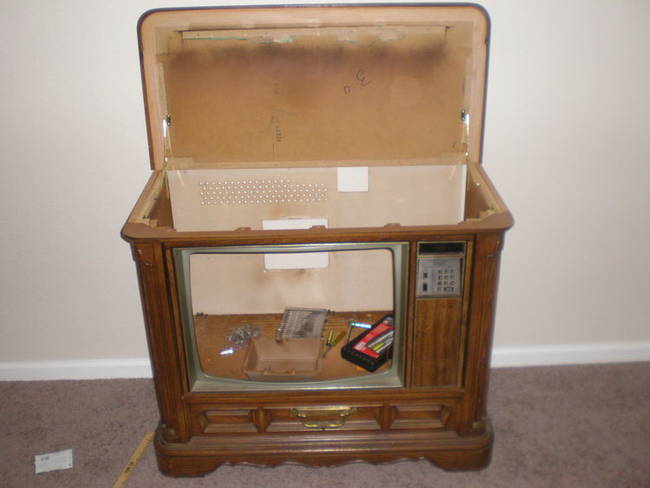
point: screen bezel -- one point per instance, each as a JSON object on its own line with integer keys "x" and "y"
{"x": 201, "y": 382}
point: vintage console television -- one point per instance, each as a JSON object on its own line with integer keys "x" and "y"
{"x": 316, "y": 172}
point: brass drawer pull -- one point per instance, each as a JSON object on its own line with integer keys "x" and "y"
{"x": 311, "y": 417}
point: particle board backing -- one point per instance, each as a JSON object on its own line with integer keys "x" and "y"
{"x": 303, "y": 85}
{"x": 408, "y": 195}
{"x": 227, "y": 284}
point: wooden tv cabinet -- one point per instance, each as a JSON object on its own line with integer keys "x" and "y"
{"x": 233, "y": 97}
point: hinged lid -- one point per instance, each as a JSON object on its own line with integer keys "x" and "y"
{"x": 306, "y": 86}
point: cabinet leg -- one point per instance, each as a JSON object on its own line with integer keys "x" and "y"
{"x": 182, "y": 465}
{"x": 461, "y": 460}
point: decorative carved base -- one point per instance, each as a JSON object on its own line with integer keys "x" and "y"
{"x": 445, "y": 449}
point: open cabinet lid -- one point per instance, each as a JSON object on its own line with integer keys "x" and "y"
{"x": 314, "y": 86}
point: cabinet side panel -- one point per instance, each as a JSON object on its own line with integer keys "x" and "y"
{"x": 480, "y": 330}
{"x": 437, "y": 341}
{"x": 161, "y": 339}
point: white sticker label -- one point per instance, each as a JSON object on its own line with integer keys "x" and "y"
{"x": 352, "y": 179}
{"x": 53, "y": 461}
{"x": 297, "y": 260}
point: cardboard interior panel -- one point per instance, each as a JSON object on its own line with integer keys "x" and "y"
{"x": 225, "y": 284}
{"x": 307, "y": 84}
{"x": 231, "y": 199}
{"x": 317, "y": 94}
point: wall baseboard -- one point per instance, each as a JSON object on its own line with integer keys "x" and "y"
{"x": 87, "y": 369}
{"x": 565, "y": 354}
{"x": 502, "y": 357}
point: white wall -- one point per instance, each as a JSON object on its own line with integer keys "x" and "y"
{"x": 565, "y": 143}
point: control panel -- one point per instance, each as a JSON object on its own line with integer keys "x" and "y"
{"x": 440, "y": 269}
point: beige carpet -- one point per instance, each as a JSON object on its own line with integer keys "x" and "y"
{"x": 556, "y": 427}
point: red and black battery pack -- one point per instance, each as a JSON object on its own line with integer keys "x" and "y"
{"x": 373, "y": 347}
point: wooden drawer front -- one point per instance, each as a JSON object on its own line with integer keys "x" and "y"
{"x": 432, "y": 416}
{"x": 315, "y": 418}
{"x": 221, "y": 421}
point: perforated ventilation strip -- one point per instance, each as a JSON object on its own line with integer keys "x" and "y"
{"x": 260, "y": 192}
